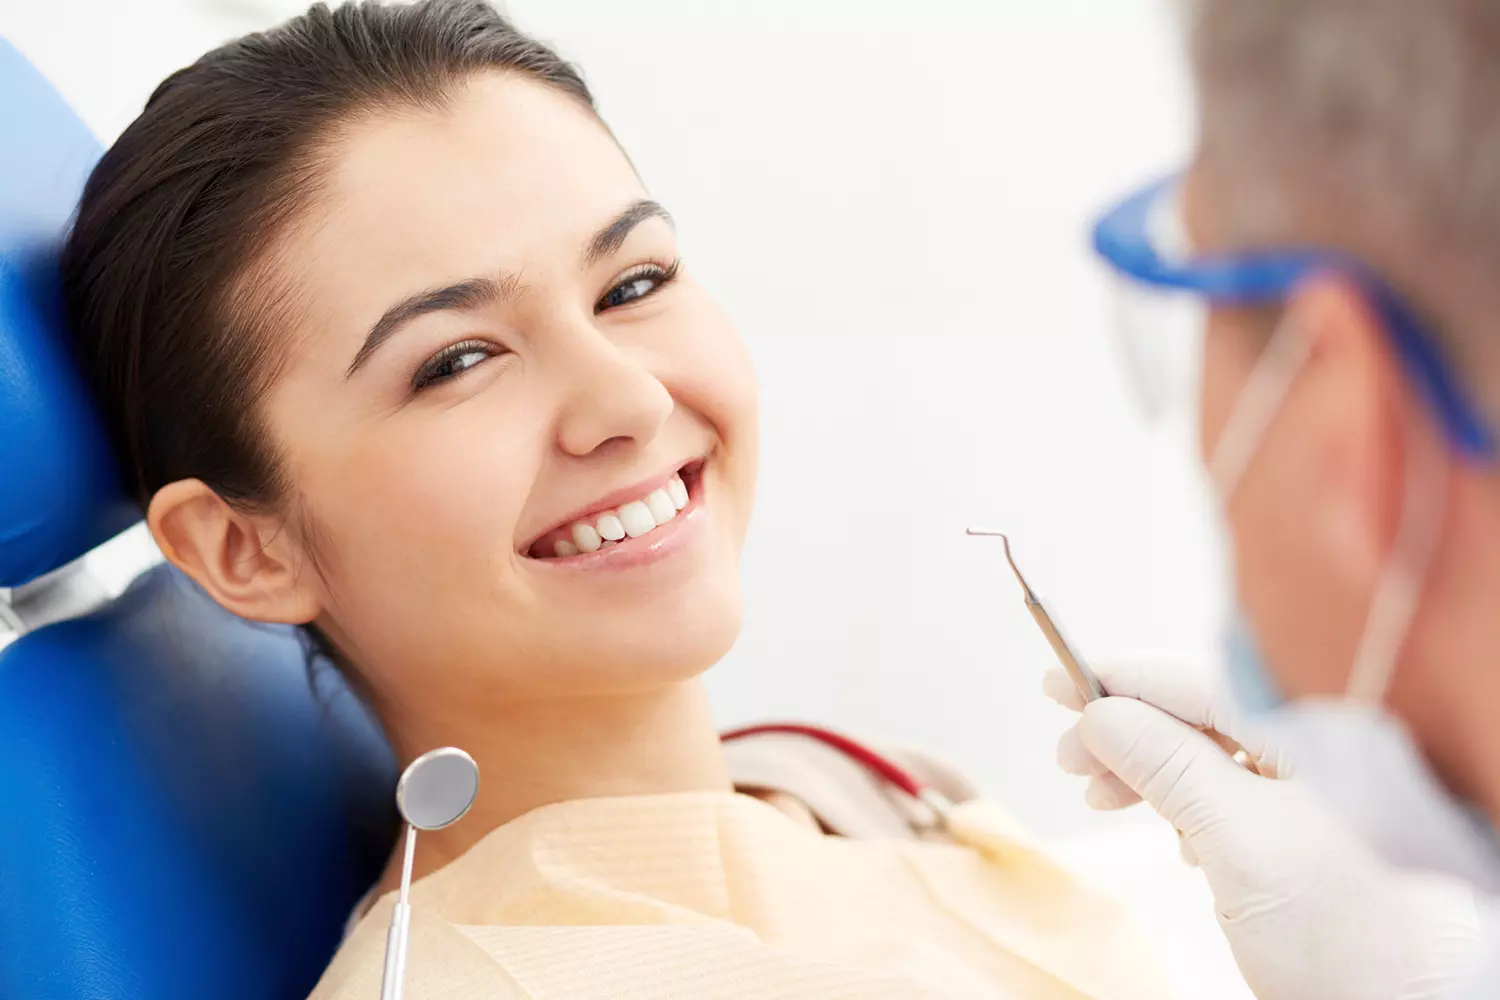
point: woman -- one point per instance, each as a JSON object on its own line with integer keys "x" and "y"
{"x": 396, "y": 346}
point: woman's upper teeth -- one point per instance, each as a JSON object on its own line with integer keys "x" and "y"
{"x": 633, "y": 519}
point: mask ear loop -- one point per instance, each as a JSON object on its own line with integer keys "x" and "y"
{"x": 1398, "y": 592}
{"x": 1257, "y": 406}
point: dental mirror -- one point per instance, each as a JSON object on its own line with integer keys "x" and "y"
{"x": 437, "y": 788}
{"x": 435, "y": 791}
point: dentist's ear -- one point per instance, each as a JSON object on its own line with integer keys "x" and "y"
{"x": 248, "y": 563}
{"x": 1359, "y": 423}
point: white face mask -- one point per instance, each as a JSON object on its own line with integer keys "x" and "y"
{"x": 1358, "y": 756}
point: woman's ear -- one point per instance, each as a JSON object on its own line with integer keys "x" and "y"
{"x": 247, "y": 563}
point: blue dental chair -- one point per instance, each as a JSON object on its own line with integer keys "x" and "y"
{"x": 184, "y": 811}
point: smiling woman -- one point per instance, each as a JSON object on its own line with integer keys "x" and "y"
{"x": 397, "y": 347}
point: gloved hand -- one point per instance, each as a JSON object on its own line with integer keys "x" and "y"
{"x": 1309, "y": 911}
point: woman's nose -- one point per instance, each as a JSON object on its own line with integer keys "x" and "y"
{"x": 609, "y": 396}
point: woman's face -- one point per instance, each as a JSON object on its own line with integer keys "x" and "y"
{"x": 501, "y": 368}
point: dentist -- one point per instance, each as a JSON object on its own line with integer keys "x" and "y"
{"x": 1332, "y": 252}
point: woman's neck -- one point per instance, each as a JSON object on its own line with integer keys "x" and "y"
{"x": 557, "y": 751}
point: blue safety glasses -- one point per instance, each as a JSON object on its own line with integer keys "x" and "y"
{"x": 1164, "y": 289}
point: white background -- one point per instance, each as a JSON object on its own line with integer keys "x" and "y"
{"x": 892, "y": 198}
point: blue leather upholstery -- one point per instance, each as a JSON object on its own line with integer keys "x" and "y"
{"x": 59, "y": 495}
{"x": 180, "y": 816}
{"x": 183, "y": 818}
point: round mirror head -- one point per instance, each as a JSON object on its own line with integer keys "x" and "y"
{"x": 437, "y": 788}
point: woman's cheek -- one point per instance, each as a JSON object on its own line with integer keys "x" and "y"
{"x": 435, "y": 492}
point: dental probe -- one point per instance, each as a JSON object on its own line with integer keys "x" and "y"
{"x": 1084, "y": 678}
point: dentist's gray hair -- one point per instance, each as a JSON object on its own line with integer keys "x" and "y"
{"x": 1369, "y": 125}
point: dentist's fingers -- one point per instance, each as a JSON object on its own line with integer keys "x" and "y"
{"x": 1104, "y": 791}
{"x": 1057, "y": 685}
{"x": 1189, "y": 693}
{"x": 1074, "y": 758}
{"x": 1185, "y": 849}
{"x": 1183, "y": 774}
{"x": 1176, "y": 687}
{"x": 1193, "y": 695}
{"x": 1107, "y": 793}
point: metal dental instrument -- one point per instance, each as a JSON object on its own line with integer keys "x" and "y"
{"x": 1083, "y": 678}
{"x": 435, "y": 791}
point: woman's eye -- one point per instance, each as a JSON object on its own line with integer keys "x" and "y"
{"x": 452, "y": 362}
{"x": 635, "y": 285}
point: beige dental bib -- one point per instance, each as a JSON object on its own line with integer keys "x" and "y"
{"x": 718, "y": 895}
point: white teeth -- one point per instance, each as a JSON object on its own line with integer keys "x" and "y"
{"x": 660, "y": 506}
{"x": 636, "y": 518}
{"x": 632, "y": 520}
{"x": 586, "y": 538}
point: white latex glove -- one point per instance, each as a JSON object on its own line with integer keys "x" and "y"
{"x": 1309, "y": 911}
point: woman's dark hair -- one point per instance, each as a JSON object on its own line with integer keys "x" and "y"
{"x": 176, "y": 341}
{"x": 187, "y": 201}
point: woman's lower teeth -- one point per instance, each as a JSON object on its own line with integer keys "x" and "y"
{"x": 632, "y": 520}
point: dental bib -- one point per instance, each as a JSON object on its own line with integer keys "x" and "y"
{"x": 703, "y": 895}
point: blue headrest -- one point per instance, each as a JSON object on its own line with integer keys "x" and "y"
{"x": 182, "y": 818}
{"x": 59, "y": 489}
{"x": 180, "y": 815}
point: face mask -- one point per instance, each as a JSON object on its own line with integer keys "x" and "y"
{"x": 1252, "y": 685}
{"x": 1355, "y": 754}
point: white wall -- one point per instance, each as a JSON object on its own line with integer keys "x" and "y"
{"x": 892, "y": 198}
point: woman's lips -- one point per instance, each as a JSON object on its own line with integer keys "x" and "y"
{"x": 638, "y": 523}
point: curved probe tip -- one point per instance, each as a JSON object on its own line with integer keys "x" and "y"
{"x": 1005, "y": 541}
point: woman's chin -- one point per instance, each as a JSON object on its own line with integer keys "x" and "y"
{"x": 643, "y": 628}
{"x": 663, "y": 644}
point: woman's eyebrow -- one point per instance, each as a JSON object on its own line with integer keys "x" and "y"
{"x": 474, "y": 293}
{"x": 471, "y": 293}
{"x": 609, "y": 239}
